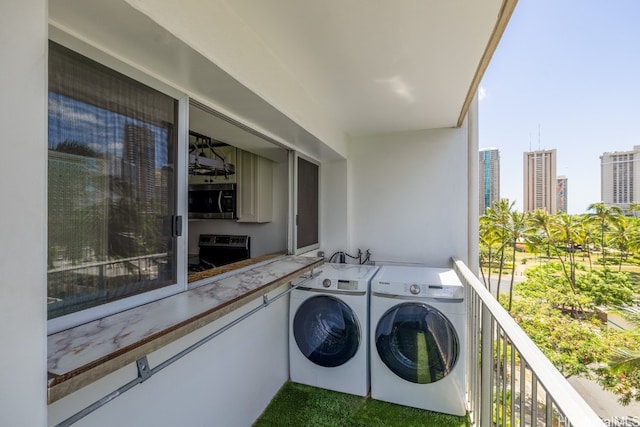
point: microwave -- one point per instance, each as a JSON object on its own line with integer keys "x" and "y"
{"x": 212, "y": 201}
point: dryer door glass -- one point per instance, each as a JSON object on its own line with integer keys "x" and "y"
{"x": 417, "y": 342}
{"x": 326, "y": 330}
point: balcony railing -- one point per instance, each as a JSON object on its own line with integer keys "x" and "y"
{"x": 518, "y": 386}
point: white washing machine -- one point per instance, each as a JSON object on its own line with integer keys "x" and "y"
{"x": 418, "y": 338}
{"x": 329, "y": 329}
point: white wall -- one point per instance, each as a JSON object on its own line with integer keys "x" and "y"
{"x": 227, "y": 382}
{"x": 334, "y": 216}
{"x": 409, "y": 196}
{"x": 23, "y": 120}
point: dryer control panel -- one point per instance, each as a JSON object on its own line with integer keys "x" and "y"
{"x": 418, "y": 282}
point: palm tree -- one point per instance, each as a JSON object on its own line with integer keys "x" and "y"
{"x": 604, "y": 216}
{"x": 634, "y": 208}
{"x": 625, "y": 362}
{"x": 565, "y": 230}
{"x": 560, "y": 232}
{"x": 518, "y": 229}
{"x": 541, "y": 220}
{"x": 489, "y": 238}
{"x": 585, "y": 235}
{"x": 622, "y": 238}
{"x": 500, "y": 217}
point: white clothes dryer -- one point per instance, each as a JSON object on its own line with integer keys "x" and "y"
{"x": 418, "y": 338}
{"x": 329, "y": 329}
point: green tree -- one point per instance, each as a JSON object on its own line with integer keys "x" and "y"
{"x": 604, "y": 216}
{"x": 622, "y": 373}
{"x": 634, "y": 208}
{"x": 621, "y": 238}
{"x": 560, "y": 232}
{"x": 605, "y": 288}
{"x": 489, "y": 239}
{"x": 518, "y": 230}
{"x": 585, "y": 235}
{"x": 500, "y": 216}
{"x": 570, "y": 344}
{"x": 541, "y": 220}
{"x": 565, "y": 234}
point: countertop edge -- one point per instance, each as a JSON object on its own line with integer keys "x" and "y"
{"x": 59, "y": 386}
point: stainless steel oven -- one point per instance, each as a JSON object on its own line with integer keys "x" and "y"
{"x": 220, "y": 249}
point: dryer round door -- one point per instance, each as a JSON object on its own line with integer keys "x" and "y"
{"x": 326, "y": 331}
{"x": 417, "y": 342}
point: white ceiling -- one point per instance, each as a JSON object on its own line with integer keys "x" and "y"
{"x": 379, "y": 65}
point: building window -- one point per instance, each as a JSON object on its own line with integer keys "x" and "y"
{"x": 111, "y": 185}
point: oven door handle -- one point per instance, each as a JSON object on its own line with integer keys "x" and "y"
{"x": 220, "y": 201}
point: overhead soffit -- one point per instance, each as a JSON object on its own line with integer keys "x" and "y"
{"x": 379, "y": 66}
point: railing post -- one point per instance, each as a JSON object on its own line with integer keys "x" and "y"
{"x": 487, "y": 368}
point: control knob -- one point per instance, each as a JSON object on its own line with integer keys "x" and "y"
{"x": 326, "y": 283}
{"x": 415, "y": 289}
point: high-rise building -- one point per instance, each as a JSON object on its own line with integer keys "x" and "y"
{"x": 620, "y": 177}
{"x": 138, "y": 164}
{"x": 561, "y": 194}
{"x": 540, "y": 181}
{"x": 489, "y": 178}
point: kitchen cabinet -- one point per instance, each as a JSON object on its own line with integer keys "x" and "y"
{"x": 255, "y": 188}
{"x": 230, "y": 154}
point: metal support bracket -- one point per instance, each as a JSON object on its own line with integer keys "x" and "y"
{"x": 143, "y": 368}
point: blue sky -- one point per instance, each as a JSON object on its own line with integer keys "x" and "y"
{"x": 97, "y": 128}
{"x": 571, "y": 69}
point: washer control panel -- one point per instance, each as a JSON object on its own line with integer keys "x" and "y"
{"x": 415, "y": 289}
{"x": 347, "y": 285}
{"x": 343, "y": 277}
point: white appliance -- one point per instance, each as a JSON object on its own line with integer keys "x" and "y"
{"x": 329, "y": 329}
{"x": 418, "y": 338}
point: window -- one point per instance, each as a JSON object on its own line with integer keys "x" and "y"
{"x": 111, "y": 185}
{"x": 306, "y": 226}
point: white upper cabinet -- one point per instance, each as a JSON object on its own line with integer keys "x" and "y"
{"x": 255, "y": 187}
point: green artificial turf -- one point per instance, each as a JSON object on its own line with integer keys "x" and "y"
{"x": 298, "y": 405}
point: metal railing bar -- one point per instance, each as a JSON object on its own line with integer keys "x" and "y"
{"x": 523, "y": 385}
{"x": 534, "y": 400}
{"x": 105, "y": 263}
{"x": 512, "y": 404}
{"x": 147, "y": 373}
{"x": 486, "y": 397}
{"x": 478, "y": 352}
{"x": 476, "y": 356}
{"x": 498, "y": 359}
{"x": 504, "y": 382}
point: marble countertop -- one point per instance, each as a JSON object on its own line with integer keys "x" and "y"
{"x": 85, "y": 353}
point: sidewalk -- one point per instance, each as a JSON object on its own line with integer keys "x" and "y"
{"x": 605, "y": 403}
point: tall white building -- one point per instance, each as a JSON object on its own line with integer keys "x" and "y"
{"x": 620, "y": 177}
{"x": 489, "y": 178}
{"x": 540, "y": 180}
